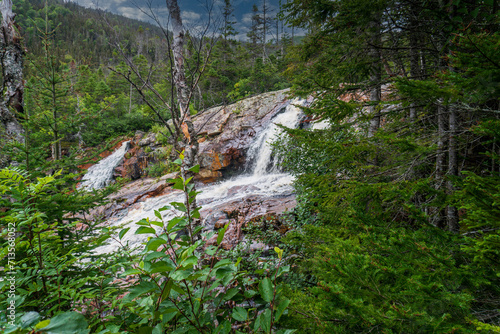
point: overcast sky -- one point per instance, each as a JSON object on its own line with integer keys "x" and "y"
{"x": 195, "y": 13}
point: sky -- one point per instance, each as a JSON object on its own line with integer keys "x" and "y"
{"x": 195, "y": 13}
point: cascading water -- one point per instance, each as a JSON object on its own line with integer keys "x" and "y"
{"x": 260, "y": 153}
{"x": 262, "y": 179}
{"x": 100, "y": 175}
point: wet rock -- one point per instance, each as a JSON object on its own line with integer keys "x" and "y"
{"x": 212, "y": 218}
{"x": 258, "y": 246}
{"x": 227, "y": 132}
{"x": 241, "y": 212}
{"x": 149, "y": 140}
{"x": 138, "y": 135}
{"x": 221, "y": 223}
{"x": 141, "y": 189}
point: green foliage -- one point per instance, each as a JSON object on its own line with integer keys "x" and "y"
{"x": 162, "y": 134}
{"x": 185, "y": 286}
{"x": 97, "y": 132}
{"x": 379, "y": 258}
{"x": 68, "y": 322}
{"x": 48, "y": 246}
{"x": 367, "y": 274}
{"x": 160, "y": 168}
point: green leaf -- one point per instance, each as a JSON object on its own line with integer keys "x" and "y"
{"x": 211, "y": 250}
{"x": 223, "y": 272}
{"x": 144, "y": 330}
{"x": 266, "y": 320}
{"x": 138, "y": 290}
{"x": 161, "y": 266}
{"x": 157, "y": 214}
{"x": 239, "y": 314}
{"x": 231, "y": 293}
{"x": 123, "y": 232}
{"x": 166, "y": 291}
{"x": 250, "y": 293}
{"x": 131, "y": 272}
{"x": 282, "y": 269}
{"x": 222, "y": 263}
{"x": 179, "y": 206}
{"x": 173, "y": 222}
{"x": 281, "y": 308}
{"x": 221, "y": 234}
{"x": 154, "y": 255}
{"x": 30, "y": 319}
{"x": 188, "y": 180}
{"x": 266, "y": 289}
{"x": 158, "y": 329}
{"x": 196, "y": 213}
{"x": 179, "y": 275}
{"x": 192, "y": 260}
{"x": 177, "y": 184}
{"x": 145, "y": 230}
{"x": 67, "y": 323}
{"x": 154, "y": 243}
{"x": 195, "y": 169}
{"x": 257, "y": 323}
{"x": 178, "y": 162}
{"x": 279, "y": 252}
{"x": 156, "y": 223}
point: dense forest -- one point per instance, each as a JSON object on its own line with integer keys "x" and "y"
{"x": 396, "y": 165}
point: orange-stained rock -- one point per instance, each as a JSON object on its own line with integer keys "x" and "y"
{"x": 227, "y": 132}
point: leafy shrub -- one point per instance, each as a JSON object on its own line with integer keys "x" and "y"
{"x": 48, "y": 248}
{"x": 158, "y": 169}
{"x": 162, "y": 134}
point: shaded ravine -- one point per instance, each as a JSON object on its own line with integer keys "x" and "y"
{"x": 262, "y": 180}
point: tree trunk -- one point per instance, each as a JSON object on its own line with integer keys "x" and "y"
{"x": 452, "y": 211}
{"x": 414, "y": 55}
{"x": 190, "y": 142}
{"x": 375, "y": 80}
{"x": 12, "y": 67}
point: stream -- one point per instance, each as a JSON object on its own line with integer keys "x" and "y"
{"x": 262, "y": 178}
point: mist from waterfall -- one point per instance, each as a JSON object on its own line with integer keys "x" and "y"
{"x": 262, "y": 179}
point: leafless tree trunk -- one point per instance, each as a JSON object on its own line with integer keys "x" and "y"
{"x": 190, "y": 142}
{"x": 375, "y": 80}
{"x": 12, "y": 71}
{"x": 452, "y": 212}
{"x": 180, "y": 83}
{"x": 414, "y": 54}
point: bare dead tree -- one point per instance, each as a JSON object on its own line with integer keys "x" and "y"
{"x": 184, "y": 78}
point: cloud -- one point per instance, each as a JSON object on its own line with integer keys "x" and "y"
{"x": 190, "y": 16}
{"x": 247, "y": 18}
{"x": 194, "y": 12}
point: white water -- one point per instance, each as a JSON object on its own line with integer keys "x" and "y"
{"x": 100, "y": 175}
{"x": 263, "y": 179}
{"x": 260, "y": 153}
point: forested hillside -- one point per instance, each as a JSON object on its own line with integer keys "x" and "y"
{"x": 396, "y": 166}
{"x": 82, "y": 33}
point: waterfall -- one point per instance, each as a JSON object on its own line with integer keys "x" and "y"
{"x": 262, "y": 179}
{"x": 100, "y": 175}
{"x": 260, "y": 153}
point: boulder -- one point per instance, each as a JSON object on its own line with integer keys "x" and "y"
{"x": 149, "y": 140}
{"x": 226, "y": 132}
